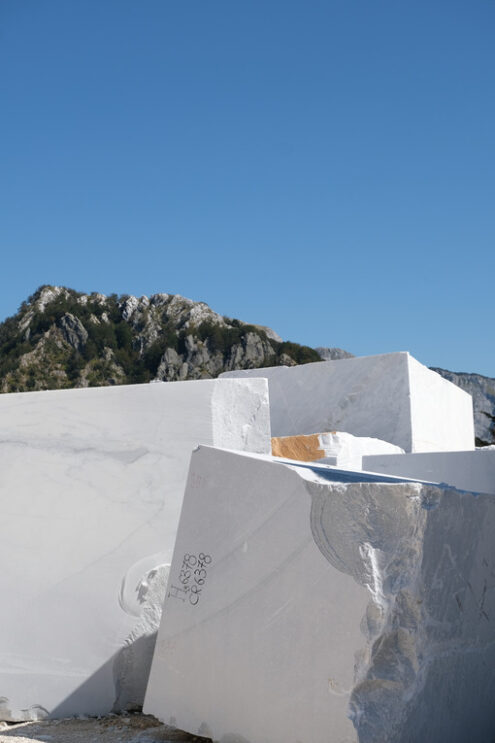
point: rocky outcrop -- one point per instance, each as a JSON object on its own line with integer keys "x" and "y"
{"x": 333, "y": 354}
{"x": 74, "y": 332}
{"x": 200, "y": 361}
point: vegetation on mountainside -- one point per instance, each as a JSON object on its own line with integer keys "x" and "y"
{"x": 63, "y": 338}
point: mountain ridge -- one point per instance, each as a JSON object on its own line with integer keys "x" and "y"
{"x": 63, "y": 338}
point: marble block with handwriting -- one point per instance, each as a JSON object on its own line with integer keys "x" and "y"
{"x": 316, "y": 605}
{"x": 91, "y": 487}
{"x": 391, "y": 397}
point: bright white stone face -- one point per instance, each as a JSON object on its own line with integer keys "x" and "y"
{"x": 391, "y": 397}
{"x": 300, "y": 608}
{"x": 467, "y": 470}
{"x": 91, "y": 486}
{"x": 442, "y": 416}
{"x": 349, "y": 450}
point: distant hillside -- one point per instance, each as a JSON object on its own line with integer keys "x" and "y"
{"x": 63, "y": 338}
{"x": 333, "y": 354}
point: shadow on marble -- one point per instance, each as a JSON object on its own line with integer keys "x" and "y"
{"x": 130, "y": 668}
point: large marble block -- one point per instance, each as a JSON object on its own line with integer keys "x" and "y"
{"x": 304, "y": 608}
{"x": 336, "y": 448}
{"x": 467, "y": 470}
{"x": 390, "y": 397}
{"x": 91, "y": 487}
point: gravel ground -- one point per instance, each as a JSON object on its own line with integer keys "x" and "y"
{"x": 112, "y": 729}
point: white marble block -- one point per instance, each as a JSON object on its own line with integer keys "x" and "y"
{"x": 91, "y": 487}
{"x": 467, "y": 470}
{"x": 390, "y": 397}
{"x": 301, "y": 608}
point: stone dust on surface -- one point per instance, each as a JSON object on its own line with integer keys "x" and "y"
{"x": 134, "y": 728}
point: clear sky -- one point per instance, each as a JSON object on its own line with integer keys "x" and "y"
{"x": 326, "y": 168}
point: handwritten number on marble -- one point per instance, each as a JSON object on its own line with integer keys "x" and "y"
{"x": 192, "y": 578}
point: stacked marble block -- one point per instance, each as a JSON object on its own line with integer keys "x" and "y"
{"x": 325, "y": 604}
{"x": 91, "y": 487}
{"x": 391, "y": 397}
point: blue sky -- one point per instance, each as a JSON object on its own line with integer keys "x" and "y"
{"x": 325, "y": 168}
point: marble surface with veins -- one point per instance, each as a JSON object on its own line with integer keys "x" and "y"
{"x": 91, "y": 486}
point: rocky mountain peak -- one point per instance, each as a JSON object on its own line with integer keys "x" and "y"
{"x": 63, "y": 338}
